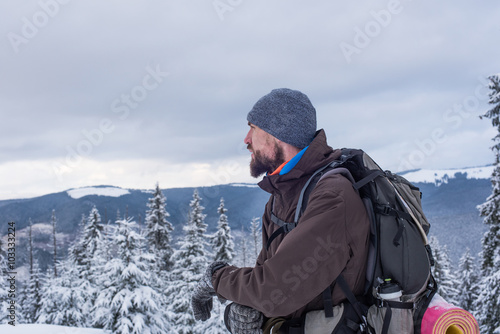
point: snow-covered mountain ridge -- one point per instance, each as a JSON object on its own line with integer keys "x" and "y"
{"x": 435, "y": 176}
{"x": 112, "y": 191}
{"x": 442, "y": 176}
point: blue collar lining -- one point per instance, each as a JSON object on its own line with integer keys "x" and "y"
{"x": 289, "y": 166}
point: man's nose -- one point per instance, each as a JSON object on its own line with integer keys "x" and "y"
{"x": 247, "y": 139}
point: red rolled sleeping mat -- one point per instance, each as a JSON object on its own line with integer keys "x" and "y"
{"x": 442, "y": 317}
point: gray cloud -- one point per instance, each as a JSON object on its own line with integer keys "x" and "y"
{"x": 83, "y": 73}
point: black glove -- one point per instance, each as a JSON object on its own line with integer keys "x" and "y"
{"x": 201, "y": 300}
{"x": 240, "y": 319}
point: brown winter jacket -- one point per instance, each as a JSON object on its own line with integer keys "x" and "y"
{"x": 330, "y": 238}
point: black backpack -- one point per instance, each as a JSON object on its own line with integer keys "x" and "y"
{"x": 399, "y": 283}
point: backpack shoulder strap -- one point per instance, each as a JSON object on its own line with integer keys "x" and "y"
{"x": 286, "y": 227}
{"x": 329, "y": 169}
{"x": 311, "y": 184}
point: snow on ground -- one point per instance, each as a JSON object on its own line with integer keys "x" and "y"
{"x": 440, "y": 176}
{"x": 99, "y": 191}
{"x": 47, "y": 329}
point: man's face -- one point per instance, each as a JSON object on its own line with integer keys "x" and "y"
{"x": 267, "y": 155}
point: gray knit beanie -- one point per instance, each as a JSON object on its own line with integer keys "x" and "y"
{"x": 287, "y": 115}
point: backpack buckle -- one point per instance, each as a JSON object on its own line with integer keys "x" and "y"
{"x": 289, "y": 226}
{"x": 384, "y": 209}
{"x": 379, "y": 303}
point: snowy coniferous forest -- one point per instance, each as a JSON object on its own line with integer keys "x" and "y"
{"x": 469, "y": 286}
{"x": 126, "y": 280}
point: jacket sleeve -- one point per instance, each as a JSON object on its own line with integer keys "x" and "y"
{"x": 308, "y": 259}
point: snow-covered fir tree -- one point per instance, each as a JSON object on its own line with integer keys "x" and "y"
{"x": 48, "y": 292}
{"x": 490, "y": 210}
{"x": 159, "y": 230}
{"x": 53, "y": 221}
{"x": 445, "y": 277}
{"x": 488, "y": 318}
{"x": 243, "y": 254}
{"x": 32, "y": 296}
{"x": 223, "y": 249}
{"x": 127, "y": 302}
{"x": 488, "y": 313}
{"x": 85, "y": 248}
{"x": 64, "y": 299}
{"x": 198, "y": 217}
{"x": 20, "y": 301}
{"x": 256, "y": 236}
{"x": 30, "y": 244}
{"x": 108, "y": 248}
{"x": 86, "y": 258}
{"x": 190, "y": 261}
{"x": 468, "y": 280}
{"x": 223, "y": 243}
{"x": 25, "y": 297}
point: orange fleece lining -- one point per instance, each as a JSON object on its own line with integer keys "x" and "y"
{"x": 279, "y": 168}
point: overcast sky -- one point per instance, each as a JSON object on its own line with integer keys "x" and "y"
{"x": 128, "y": 93}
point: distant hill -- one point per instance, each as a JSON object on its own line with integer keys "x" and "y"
{"x": 243, "y": 201}
{"x": 450, "y": 198}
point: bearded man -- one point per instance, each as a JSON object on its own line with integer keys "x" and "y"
{"x": 294, "y": 277}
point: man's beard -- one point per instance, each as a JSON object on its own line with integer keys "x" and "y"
{"x": 261, "y": 164}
